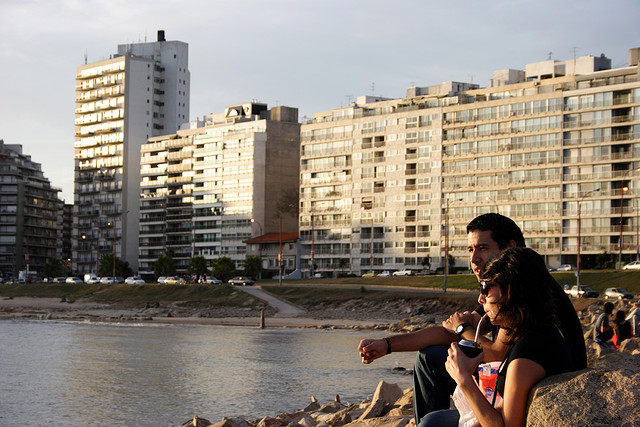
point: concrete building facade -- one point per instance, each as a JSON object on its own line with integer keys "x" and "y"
{"x": 211, "y": 186}
{"x": 29, "y": 213}
{"x": 121, "y": 102}
{"x": 391, "y": 183}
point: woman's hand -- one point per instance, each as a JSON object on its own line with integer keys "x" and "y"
{"x": 459, "y": 366}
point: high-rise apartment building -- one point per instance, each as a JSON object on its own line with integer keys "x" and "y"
{"x": 29, "y": 212}
{"x": 207, "y": 189}
{"x": 121, "y": 102}
{"x": 392, "y": 183}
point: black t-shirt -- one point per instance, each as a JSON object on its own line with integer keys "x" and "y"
{"x": 568, "y": 323}
{"x": 546, "y": 347}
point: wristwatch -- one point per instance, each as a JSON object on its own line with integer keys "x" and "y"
{"x": 461, "y": 327}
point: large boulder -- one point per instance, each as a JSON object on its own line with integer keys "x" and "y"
{"x": 606, "y": 394}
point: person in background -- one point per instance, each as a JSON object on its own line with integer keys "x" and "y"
{"x": 487, "y": 236}
{"x": 621, "y": 329}
{"x": 602, "y": 331}
{"x": 516, "y": 295}
{"x": 634, "y": 318}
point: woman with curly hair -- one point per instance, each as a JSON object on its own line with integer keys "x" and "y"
{"x": 515, "y": 292}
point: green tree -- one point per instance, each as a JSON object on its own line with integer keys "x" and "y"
{"x": 253, "y": 266}
{"x": 603, "y": 261}
{"x": 164, "y": 266}
{"x": 198, "y": 266}
{"x": 224, "y": 268}
{"x": 105, "y": 268}
{"x": 52, "y": 267}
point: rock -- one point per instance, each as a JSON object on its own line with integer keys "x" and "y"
{"x": 270, "y": 422}
{"x": 629, "y": 345}
{"x": 303, "y": 420}
{"x": 231, "y": 422}
{"x": 313, "y": 406}
{"x": 389, "y": 393}
{"x": 607, "y": 394}
{"x": 383, "y": 422}
{"x": 331, "y": 407}
{"x": 374, "y": 410}
{"x": 197, "y": 422}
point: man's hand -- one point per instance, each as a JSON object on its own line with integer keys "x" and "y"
{"x": 458, "y": 318}
{"x": 371, "y": 350}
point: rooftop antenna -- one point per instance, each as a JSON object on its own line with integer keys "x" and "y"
{"x": 549, "y": 55}
{"x": 471, "y": 78}
{"x": 349, "y": 98}
{"x": 574, "y": 49}
{"x": 373, "y": 88}
{"x": 85, "y": 58}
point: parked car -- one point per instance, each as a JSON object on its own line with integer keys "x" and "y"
{"x": 108, "y": 280}
{"x": 75, "y": 280}
{"x": 161, "y": 280}
{"x": 404, "y": 272}
{"x": 582, "y": 292}
{"x": 385, "y": 273}
{"x": 211, "y": 280}
{"x": 174, "y": 280}
{"x": 59, "y": 279}
{"x": 617, "y": 293}
{"x": 633, "y": 265}
{"x": 369, "y": 274}
{"x": 134, "y": 280}
{"x": 318, "y": 276}
{"x": 241, "y": 280}
{"x": 565, "y": 267}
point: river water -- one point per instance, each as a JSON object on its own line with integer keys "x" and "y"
{"x": 99, "y": 374}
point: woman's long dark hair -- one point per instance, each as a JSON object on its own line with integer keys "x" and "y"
{"x": 525, "y": 285}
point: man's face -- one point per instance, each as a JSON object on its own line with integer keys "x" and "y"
{"x": 482, "y": 248}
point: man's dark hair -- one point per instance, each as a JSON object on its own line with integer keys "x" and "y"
{"x": 503, "y": 229}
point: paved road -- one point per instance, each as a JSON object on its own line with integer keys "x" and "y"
{"x": 284, "y": 309}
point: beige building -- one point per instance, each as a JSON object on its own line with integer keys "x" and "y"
{"x": 208, "y": 188}
{"x": 388, "y": 184}
{"x": 140, "y": 92}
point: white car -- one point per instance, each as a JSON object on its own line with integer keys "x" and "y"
{"x": 161, "y": 280}
{"x": 617, "y": 293}
{"x": 134, "y": 280}
{"x": 75, "y": 280}
{"x": 108, "y": 280}
{"x": 212, "y": 280}
{"x": 565, "y": 267}
{"x": 385, "y": 273}
{"x": 404, "y": 272}
{"x": 633, "y": 265}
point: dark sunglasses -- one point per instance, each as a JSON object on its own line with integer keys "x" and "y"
{"x": 485, "y": 286}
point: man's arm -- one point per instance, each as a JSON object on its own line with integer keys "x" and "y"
{"x": 372, "y": 349}
{"x": 493, "y": 350}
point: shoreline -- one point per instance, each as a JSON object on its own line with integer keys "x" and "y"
{"x": 48, "y": 308}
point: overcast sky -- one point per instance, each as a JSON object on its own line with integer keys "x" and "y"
{"x": 314, "y": 55}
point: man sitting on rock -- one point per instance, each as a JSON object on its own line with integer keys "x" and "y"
{"x": 488, "y": 235}
{"x": 603, "y": 331}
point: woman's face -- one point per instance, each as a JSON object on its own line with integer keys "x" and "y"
{"x": 489, "y": 299}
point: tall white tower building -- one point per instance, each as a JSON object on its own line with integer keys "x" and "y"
{"x": 121, "y": 102}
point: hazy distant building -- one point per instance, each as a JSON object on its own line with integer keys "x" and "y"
{"x": 121, "y": 102}
{"x": 206, "y": 190}
{"x": 391, "y": 183}
{"x": 29, "y": 211}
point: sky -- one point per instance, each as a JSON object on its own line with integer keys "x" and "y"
{"x": 313, "y": 55}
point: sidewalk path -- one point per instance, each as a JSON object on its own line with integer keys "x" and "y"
{"x": 284, "y": 309}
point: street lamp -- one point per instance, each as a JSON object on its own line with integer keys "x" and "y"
{"x": 446, "y": 243}
{"x": 622, "y": 191}
{"x": 114, "y": 248}
{"x": 489, "y": 199}
{"x": 313, "y": 260}
{"x": 253, "y": 220}
{"x": 581, "y": 199}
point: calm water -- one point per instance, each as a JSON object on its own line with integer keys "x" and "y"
{"x": 66, "y": 373}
